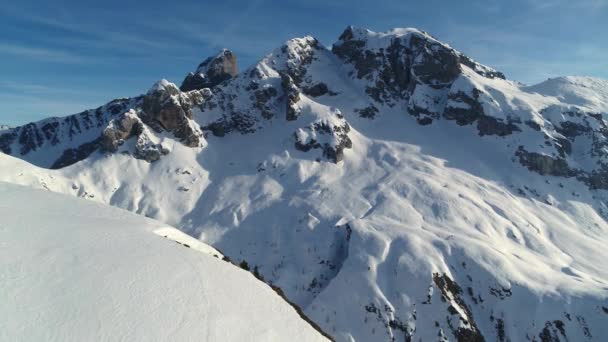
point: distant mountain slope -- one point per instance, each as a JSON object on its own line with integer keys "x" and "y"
{"x": 72, "y": 270}
{"x": 392, "y": 187}
{"x": 588, "y": 92}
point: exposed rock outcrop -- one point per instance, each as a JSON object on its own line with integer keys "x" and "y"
{"x": 467, "y": 109}
{"x": 212, "y": 71}
{"x": 127, "y": 126}
{"x": 73, "y": 155}
{"x": 120, "y": 129}
{"x": 330, "y": 135}
{"x": 74, "y": 132}
{"x": 292, "y": 95}
{"x": 407, "y": 59}
{"x": 165, "y": 107}
{"x": 318, "y": 89}
{"x": 411, "y": 66}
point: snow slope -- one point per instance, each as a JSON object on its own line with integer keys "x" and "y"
{"x": 392, "y": 187}
{"x": 73, "y": 270}
{"x": 589, "y": 92}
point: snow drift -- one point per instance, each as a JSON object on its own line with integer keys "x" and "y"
{"x": 72, "y": 270}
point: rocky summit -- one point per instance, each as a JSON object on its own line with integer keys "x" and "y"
{"x": 211, "y": 72}
{"x": 390, "y": 186}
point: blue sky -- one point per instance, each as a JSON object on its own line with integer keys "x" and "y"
{"x": 60, "y": 57}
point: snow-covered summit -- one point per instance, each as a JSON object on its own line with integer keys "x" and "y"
{"x": 588, "y": 92}
{"x": 163, "y": 85}
{"x": 391, "y": 186}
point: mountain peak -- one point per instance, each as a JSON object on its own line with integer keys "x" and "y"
{"x": 163, "y": 86}
{"x": 588, "y": 92}
{"x": 212, "y": 71}
{"x": 360, "y": 33}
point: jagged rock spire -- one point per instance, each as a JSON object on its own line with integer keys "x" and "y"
{"x": 212, "y": 71}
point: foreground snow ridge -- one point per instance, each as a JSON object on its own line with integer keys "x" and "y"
{"x": 72, "y": 270}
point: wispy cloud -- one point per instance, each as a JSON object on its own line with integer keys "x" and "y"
{"x": 95, "y": 35}
{"x": 548, "y": 4}
{"x": 43, "y": 89}
{"x": 47, "y": 54}
{"x": 18, "y": 109}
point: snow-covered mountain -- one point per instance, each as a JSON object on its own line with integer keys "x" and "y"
{"x": 391, "y": 186}
{"x": 73, "y": 270}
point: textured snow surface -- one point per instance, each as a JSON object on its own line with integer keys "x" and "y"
{"x": 588, "y": 92}
{"x": 74, "y": 270}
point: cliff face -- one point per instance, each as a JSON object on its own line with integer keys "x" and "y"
{"x": 212, "y": 71}
{"x": 60, "y": 142}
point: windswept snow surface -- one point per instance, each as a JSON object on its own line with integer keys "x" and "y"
{"x": 74, "y": 270}
{"x": 588, "y": 92}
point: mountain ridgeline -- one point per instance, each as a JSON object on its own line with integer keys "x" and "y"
{"x": 391, "y": 186}
{"x": 406, "y": 68}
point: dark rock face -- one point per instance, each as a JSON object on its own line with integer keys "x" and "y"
{"x": 573, "y": 127}
{"x": 545, "y": 165}
{"x": 435, "y": 64}
{"x": 317, "y": 90}
{"x": 166, "y": 108}
{"x": 368, "y": 112}
{"x": 245, "y": 104}
{"x": 66, "y": 131}
{"x": 408, "y": 61}
{"x": 118, "y": 131}
{"x": 163, "y": 108}
{"x": 292, "y": 95}
{"x": 126, "y": 127}
{"x": 239, "y": 122}
{"x": 415, "y": 68}
{"x": 263, "y": 97}
{"x": 464, "y": 116}
{"x": 30, "y": 138}
{"x": 597, "y": 179}
{"x": 211, "y": 72}
{"x": 301, "y": 52}
{"x": 486, "y": 72}
{"x": 147, "y": 150}
{"x": 331, "y": 136}
{"x": 75, "y": 137}
{"x": 552, "y": 331}
{"x": 74, "y": 155}
{"x": 559, "y": 167}
{"x": 488, "y": 125}
{"x": 468, "y": 330}
{"x": 194, "y": 81}
{"x": 6, "y": 140}
{"x": 466, "y": 109}
{"x": 353, "y": 51}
